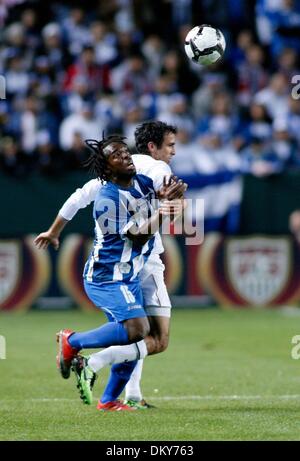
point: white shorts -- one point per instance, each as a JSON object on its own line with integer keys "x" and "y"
{"x": 156, "y": 298}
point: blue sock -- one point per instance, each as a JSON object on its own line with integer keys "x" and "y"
{"x": 119, "y": 376}
{"x": 110, "y": 334}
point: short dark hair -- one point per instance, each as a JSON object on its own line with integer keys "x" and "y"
{"x": 151, "y": 131}
{"x": 97, "y": 161}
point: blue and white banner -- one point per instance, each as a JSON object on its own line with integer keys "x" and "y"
{"x": 215, "y": 177}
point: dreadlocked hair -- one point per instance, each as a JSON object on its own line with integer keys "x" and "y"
{"x": 97, "y": 161}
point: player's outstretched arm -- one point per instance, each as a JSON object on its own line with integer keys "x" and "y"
{"x": 81, "y": 198}
{"x": 51, "y": 236}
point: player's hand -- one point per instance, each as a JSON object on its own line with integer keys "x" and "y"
{"x": 43, "y": 240}
{"x": 172, "y": 189}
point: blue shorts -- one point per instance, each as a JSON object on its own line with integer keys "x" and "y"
{"x": 119, "y": 301}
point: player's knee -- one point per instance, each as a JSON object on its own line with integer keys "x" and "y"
{"x": 140, "y": 333}
{"x": 138, "y": 330}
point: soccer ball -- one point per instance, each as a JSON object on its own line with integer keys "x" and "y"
{"x": 204, "y": 44}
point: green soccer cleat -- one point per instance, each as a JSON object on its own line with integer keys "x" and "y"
{"x": 138, "y": 404}
{"x": 85, "y": 378}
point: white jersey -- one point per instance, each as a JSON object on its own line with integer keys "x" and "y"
{"x": 144, "y": 164}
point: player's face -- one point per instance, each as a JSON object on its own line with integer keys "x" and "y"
{"x": 119, "y": 160}
{"x": 167, "y": 149}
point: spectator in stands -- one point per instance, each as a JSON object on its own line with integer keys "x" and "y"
{"x": 96, "y": 76}
{"x": 16, "y": 77}
{"x": 3, "y": 118}
{"x": 131, "y": 78}
{"x": 104, "y": 43}
{"x": 264, "y": 11}
{"x": 177, "y": 113}
{"x": 258, "y": 124}
{"x": 218, "y": 155}
{"x": 108, "y": 110}
{"x": 158, "y": 100}
{"x": 77, "y": 154}
{"x": 275, "y": 96}
{"x": 202, "y": 99}
{"x": 29, "y": 124}
{"x": 283, "y": 145}
{"x": 293, "y": 120}
{"x": 258, "y": 159}
{"x": 34, "y": 116}
{"x": 53, "y": 47}
{"x": 154, "y": 50}
{"x": 15, "y": 37}
{"x": 133, "y": 116}
{"x": 176, "y": 68}
{"x": 29, "y": 22}
{"x": 286, "y": 27}
{"x": 83, "y": 123}
{"x": 42, "y": 77}
{"x": 181, "y": 12}
{"x": 221, "y": 121}
{"x": 4, "y": 8}
{"x": 287, "y": 63}
{"x": 238, "y": 50}
{"x": 251, "y": 75}
{"x": 12, "y": 161}
{"x": 183, "y": 163}
{"x": 76, "y": 31}
{"x": 79, "y": 93}
{"x": 47, "y": 159}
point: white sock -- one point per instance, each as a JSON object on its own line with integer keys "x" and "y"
{"x": 117, "y": 354}
{"x": 133, "y": 389}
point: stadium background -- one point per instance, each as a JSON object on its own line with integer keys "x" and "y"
{"x": 73, "y": 69}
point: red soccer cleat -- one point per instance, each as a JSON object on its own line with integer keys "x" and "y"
{"x": 115, "y": 405}
{"x": 65, "y": 353}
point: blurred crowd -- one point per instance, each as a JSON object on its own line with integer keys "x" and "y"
{"x": 73, "y": 71}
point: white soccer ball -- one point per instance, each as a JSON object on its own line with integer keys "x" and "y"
{"x": 204, "y": 44}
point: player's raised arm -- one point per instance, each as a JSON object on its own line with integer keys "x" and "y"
{"x": 81, "y": 198}
{"x": 51, "y": 236}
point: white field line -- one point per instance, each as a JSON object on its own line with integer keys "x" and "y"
{"x": 179, "y": 397}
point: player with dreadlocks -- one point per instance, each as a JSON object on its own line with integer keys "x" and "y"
{"x": 155, "y": 141}
{"x": 124, "y": 238}
{"x": 97, "y": 158}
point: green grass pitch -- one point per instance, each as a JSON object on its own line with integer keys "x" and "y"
{"x": 227, "y": 375}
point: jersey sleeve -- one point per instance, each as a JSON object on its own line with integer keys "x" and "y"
{"x": 81, "y": 198}
{"x": 158, "y": 173}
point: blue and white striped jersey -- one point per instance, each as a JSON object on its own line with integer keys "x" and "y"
{"x": 116, "y": 209}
